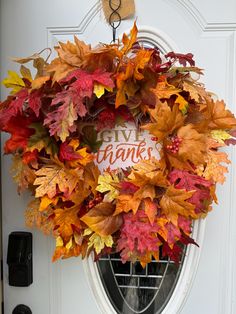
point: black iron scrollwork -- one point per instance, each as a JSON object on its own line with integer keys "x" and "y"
{"x": 114, "y": 14}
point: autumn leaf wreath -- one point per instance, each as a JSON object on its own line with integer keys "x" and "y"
{"x": 53, "y": 119}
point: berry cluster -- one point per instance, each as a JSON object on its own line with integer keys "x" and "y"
{"x": 93, "y": 202}
{"x": 174, "y": 148}
{"x": 154, "y": 138}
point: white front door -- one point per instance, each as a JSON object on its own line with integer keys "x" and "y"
{"x": 205, "y": 28}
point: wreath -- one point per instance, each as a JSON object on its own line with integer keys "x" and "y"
{"x": 54, "y": 118}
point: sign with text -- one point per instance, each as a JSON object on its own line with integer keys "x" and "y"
{"x": 125, "y": 146}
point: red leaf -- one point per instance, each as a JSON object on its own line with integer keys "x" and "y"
{"x": 35, "y": 101}
{"x": 128, "y": 187}
{"x": 29, "y": 157}
{"x": 183, "y": 58}
{"x": 185, "y": 180}
{"x": 67, "y": 153}
{"x": 14, "y": 107}
{"x": 84, "y": 81}
{"x": 19, "y": 129}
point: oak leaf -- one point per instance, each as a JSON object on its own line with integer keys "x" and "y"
{"x": 188, "y": 181}
{"x": 61, "y": 120}
{"x": 35, "y": 218}
{"x": 22, "y": 174}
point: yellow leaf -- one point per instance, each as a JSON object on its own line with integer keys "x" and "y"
{"x": 99, "y": 90}
{"x": 105, "y": 184}
{"x": 98, "y": 242}
{"x": 183, "y": 104}
{"x": 46, "y": 201}
{"x": 220, "y": 135}
{"x": 59, "y": 242}
{"x": 13, "y": 81}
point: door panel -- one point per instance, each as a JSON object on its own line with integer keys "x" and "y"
{"x": 205, "y": 28}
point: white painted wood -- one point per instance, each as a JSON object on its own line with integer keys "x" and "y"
{"x": 206, "y": 28}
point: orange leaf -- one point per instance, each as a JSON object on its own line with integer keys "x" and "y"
{"x": 164, "y": 120}
{"x": 65, "y": 218}
{"x": 128, "y": 42}
{"x": 174, "y": 202}
{"x": 100, "y": 219}
{"x": 219, "y": 117}
{"x": 150, "y": 209}
{"x": 193, "y": 146}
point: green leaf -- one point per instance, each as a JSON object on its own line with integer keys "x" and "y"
{"x": 42, "y": 140}
{"x": 90, "y": 138}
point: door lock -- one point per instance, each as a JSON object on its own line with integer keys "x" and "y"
{"x": 19, "y": 259}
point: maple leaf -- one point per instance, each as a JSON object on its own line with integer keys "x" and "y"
{"x": 107, "y": 183}
{"x": 148, "y": 172}
{"x": 22, "y": 174}
{"x": 164, "y": 120}
{"x": 13, "y": 81}
{"x": 175, "y": 202}
{"x": 65, "y": 219}
{"x": 73, "y": 155}
{"x": 137, "y": 237}
{"x": 219, "y": 117}
{"x": 193, "y": 145}
{"x": 71, "y": 56}
{"x": 97, "y": 241}
{"x": 52, "y": 178}
{"x": 101, "y": 220}
{"x": 185, "y": 224}
{"x": 127, "y": 202}
{"x": 188, "y": 181}
{"x": 84, "y": 81}
{"x": 41, "y": 140}
{"x": 126, "y": 87}
{"x": 164, "y": 90}
{"x": 173, "y": 234}
{"x": 128, "y": 75}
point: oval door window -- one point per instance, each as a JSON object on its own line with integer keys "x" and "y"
{"x": 133, "y": 289}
